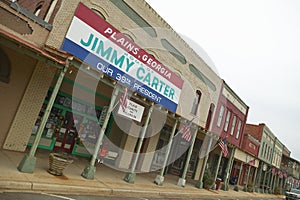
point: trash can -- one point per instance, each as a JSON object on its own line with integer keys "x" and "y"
{"x": 218, "y": 183}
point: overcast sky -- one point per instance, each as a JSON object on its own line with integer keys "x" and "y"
{"x": 255, "y": 48}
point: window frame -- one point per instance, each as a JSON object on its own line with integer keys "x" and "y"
{"x": 237, "y": 135}
{"x": 196, "y": 102}
{"x": 228, "y": 116}
{"x": 233, "y": 124}
{"x": 220, "y": 117}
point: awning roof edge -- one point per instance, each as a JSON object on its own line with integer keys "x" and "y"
{"x": 33, "y": 51}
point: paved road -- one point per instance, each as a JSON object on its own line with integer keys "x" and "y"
{"x": 39, "y": 196}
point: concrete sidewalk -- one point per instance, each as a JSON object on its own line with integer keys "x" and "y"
{"x": 107, "y": 181}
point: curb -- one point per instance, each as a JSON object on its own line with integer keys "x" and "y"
{"x": 70, "y": 189}
{"x": 15, "y": 185}
{"x": 105, "y": 191}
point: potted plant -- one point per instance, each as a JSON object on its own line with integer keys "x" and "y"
{"x": 236, "y": 188}
{"x": 208, "y": 180}
{"x": 250, "y": 187}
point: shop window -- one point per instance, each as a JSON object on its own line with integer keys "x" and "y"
{"x": 233, "y": 125}
{"x": 238, "y": 129}
{"x": 227, "y": 121}
{"x": 209, "y": 117}
{"x": 220, "y": 118}
{"x": 196, "y": 102}
{"x": 173, "y": 51}
{"x": 5, "y": 67}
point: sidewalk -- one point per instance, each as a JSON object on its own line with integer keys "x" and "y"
{"x": 107, "y": 181}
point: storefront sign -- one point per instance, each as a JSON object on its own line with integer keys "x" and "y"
{"x": 99, "y": 44}
{"x": 245, "y": 158}
{"x": 133, "y": 111}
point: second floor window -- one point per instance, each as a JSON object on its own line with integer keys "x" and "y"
{"x": 209, "y": 116}
{"x": 227, "y": 121}
{"x": 238, "y": 129}
{"x": 233, "y": 125}
{"x": 220, "y": 116}
{"x": 196, "y": 102}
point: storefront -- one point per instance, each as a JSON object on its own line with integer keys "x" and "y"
{"x": 244, "y": 168}
{"x": 73, "y": 124}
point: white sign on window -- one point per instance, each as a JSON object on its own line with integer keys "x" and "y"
{"x": 133, "y": 111}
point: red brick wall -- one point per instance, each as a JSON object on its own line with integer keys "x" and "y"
{"x": 32, "y": 5}
{"x": 250, "y": 146}
{"x": 234, "y": 111}
{"x": 255, "y": 130}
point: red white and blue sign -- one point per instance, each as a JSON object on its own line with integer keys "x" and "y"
{"x": 99, "y": 44}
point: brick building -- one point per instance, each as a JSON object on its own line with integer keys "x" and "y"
{"x": 50, "y": 76}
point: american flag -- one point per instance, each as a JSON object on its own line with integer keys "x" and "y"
{"x": 273, "y": 170}
{"x": 252, "y": 162}
{"x": 185, "y": 131}
{"x": 280, "y": 174}
{"x": 123, "y": 100}
{"x": 223, "y": 145}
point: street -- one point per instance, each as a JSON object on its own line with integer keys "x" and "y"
{"x": 44, "y": 196}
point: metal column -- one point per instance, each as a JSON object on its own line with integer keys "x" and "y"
{"x": 247, "y": 179}
{"x": 89, "y": 171}
{"x": 240, "y": 173}
{"x": 254, "y": 178}
{"x": 218, "y": 165}
{"x": 181, "y": 181}
{"x": 272, "y": 183}
{"x": 28, "y": 162}
{"x": 160, "y": 178}
{"x": 228, "y": 170}
{"x": 199, "y": 184}
{"x": 258, "y": 181}
{"x": 129, "y": 177}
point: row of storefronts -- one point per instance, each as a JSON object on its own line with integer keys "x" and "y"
{"x": 78, "y": 79}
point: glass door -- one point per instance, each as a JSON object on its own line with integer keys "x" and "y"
{"x": 68, "y": 132}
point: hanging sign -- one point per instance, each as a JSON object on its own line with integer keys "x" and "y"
{"x": 102, "y": 46}
{"x": 133, "y": 111}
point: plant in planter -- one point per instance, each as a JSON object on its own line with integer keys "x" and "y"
{"x": 277, "y": 190}
{"x": 250, "y": 187}
{"x": 208, "y": 180}
{"x": 236, "y": 188}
